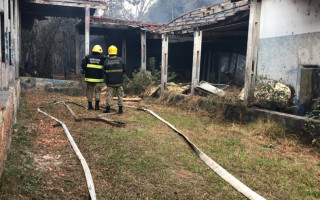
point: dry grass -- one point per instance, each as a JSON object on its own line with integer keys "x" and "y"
{"x": 218, "y": 108}
{"x": 147, "y": 160}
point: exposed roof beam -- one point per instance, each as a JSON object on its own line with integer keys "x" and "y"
{"x": 49, "y": 10}
{"x": 109, "y": 26}
{"x": 225, "y": 33}
{"x": 227, "y": 27}
{"x": 228, "y": 21}
{"x": 70, "y": 3}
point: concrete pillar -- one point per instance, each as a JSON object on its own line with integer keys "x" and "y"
{"x": 87, "y": 30}
{"x": 16, "y": 41}
{"x": 76, "y": 30}
{"x": 19, "y": 36}
{"x": 12, "y": 44}
{"x": 164, "y": 61}
{"x": 143, "y": 50}
{"x": 1, "y": 65}
{"x": 252, "y": 52}
{"x": 124, "y": 50}
{"x": 196, "y": 60}
{"x": 6, "y": 44}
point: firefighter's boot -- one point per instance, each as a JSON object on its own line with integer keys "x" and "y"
{"x": 90, "y": 105}
{"x": 97, "y": 107}
{"x": 107, "y": 109}
{"x": 120, "y": 110}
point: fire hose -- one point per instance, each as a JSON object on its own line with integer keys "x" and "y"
{"x": 225, "y": 175}
{"x": 84, "y": 164}
{"x": 80, "y": 156}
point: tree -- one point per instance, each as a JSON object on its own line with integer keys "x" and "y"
{"x": 123, "y": 8}
{"x": 141, "y": 6}
{"x": 164, "y": 11}
{"x": 116, "y": 9}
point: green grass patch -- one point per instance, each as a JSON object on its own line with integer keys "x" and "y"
{"x": 148, "y": 160}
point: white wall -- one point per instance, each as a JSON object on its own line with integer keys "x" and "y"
{"x": 289, "y": 17}
{"x": 289, "y": 37}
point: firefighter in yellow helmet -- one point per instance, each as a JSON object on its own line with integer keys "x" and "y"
{"x": 92, "y": 67}
{"x": 114, "y": 69}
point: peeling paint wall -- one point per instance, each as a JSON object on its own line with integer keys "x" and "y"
{"x": 9, "y": 103}
{"x": 10, "y": 46}
{"x": 289, "y": 37}
{"x": 9, "y": 74}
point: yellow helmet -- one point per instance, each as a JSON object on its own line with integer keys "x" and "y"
{"x": 113, "y": 50}
{"x": 97, "y": 48}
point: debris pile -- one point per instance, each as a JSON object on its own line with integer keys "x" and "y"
{"x": 209, "y": 89}
{"x": 271, "y": 91}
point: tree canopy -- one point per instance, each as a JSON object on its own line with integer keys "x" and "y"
{"x": 133, "y": 9}
{"x": 158, "y": 11}
{"x": 164, "y": 11}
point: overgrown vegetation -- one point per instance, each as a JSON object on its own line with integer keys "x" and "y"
{"x": 147, "y": 160}
{"x": 219, "y": 108}
{"x": 141, "y": 80}
{"x": 312, "y": 128}
{"x": 18, "y": 174}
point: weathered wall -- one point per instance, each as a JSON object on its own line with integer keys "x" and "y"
{"x": 289, "y": 37}
{"x": 9, "y": 103}
{"x": 289, "y": 17}
{"x": 52, "y": 85}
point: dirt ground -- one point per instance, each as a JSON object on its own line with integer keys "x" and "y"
{"x": 147, "y": 160}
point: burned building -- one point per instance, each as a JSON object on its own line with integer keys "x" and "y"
{"x": 235, "y": 42}
{"x": 217, "y": 35}
{"x": 212, "y": 43}
{"x": 289, "y": 47}
{"x": 133, "y": 38}
{"x": 14, "y": 15}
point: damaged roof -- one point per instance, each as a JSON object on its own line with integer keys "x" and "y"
{"x": 221, "y": 14}
{"x": 40, "y": 9}
{"x": 108, "y": 22}
{"x": 71, "y": 3}
{"x": 203, "y": 18}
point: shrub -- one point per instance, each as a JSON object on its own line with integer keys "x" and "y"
{"x": 139, "y": 83}
{"x": 312, "y": 128}
{"x": 156, "y": 72}
{"x": 143, "y": 79}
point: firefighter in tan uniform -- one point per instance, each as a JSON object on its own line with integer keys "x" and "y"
{"x": 92, "y": 66}
{"x": 114, "y": 69}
